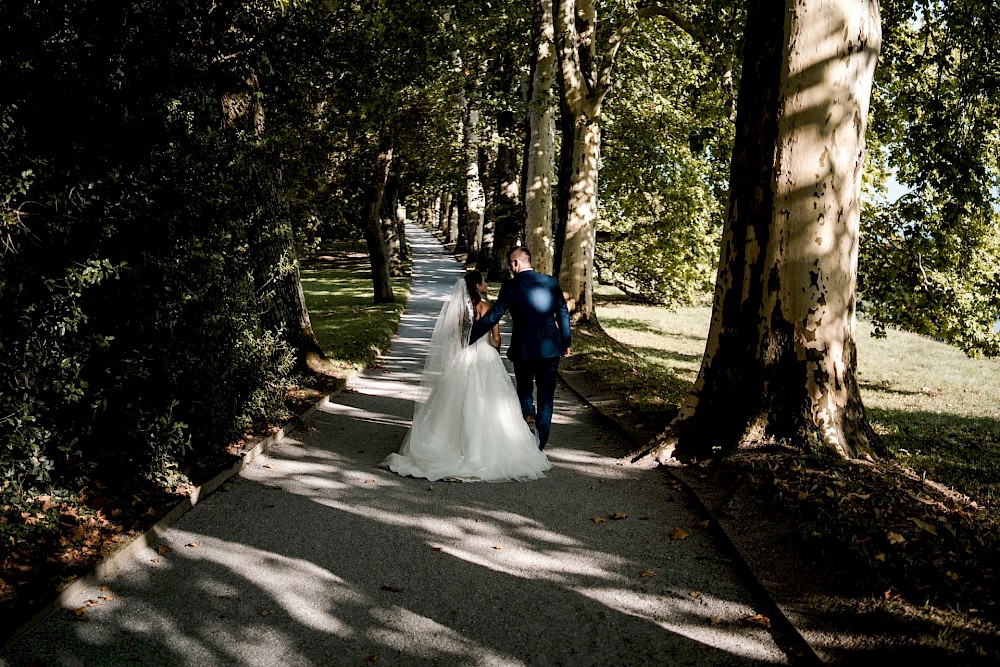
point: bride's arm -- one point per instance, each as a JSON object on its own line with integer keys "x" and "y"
{"x": 481, "y": 309}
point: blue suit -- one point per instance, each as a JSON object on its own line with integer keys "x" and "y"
{"x": 541, "y": 334}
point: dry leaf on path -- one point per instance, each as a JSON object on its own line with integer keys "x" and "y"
{"x": 265, "y": 612}
{"x": 896, "y": 538}
{"x": 678, "y": 534}
{"x": 758, "y": 619}
{"x": 599, "y": 519}
{"x": 193, "y": 545}
{"x": 163, "y": 549}
{"x": 620, "y": 515}
{"x": 695, "y": 594}
{"x": 650, "y": 572}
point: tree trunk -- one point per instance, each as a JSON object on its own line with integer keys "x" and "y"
{"x": 475, "y": 198}
{"x": 276, "y": 268}
{"x": 378, "y": 251}
{"x": 576, "y": 268}
{"x": 387, "y": 214}
{"x": 277, "y": 278}
{"x": 780, "y": 361}
{"x": 400, "y": 219}
{"x": 582, "y": 93}
{"x": 539, "y": 155}
{"x": 444, "y": 216}
{"x": 461, "y": 224}
{"x": 506, "y": 210}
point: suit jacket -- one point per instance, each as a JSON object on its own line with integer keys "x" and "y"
{"x": 539, "y": 314}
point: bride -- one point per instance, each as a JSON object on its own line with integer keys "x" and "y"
{"x": 467, "y": 423}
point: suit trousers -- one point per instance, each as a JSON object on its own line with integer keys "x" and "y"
{"x": 540, "y": 374}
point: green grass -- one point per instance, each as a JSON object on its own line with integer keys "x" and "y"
{"x": 937, "y": 410}
{"x": 350, "y": 327}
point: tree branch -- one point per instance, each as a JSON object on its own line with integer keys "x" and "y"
{"x": 671, "y": 14}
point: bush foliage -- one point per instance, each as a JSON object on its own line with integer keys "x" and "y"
{"x": 131, "y": 327}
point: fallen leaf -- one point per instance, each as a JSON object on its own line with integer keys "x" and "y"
{"x": 896, "y": 538}
{"x": 695, "y": 594}
{"x": 891, "y": 594}
{"x": 703, "y": 523}
{"x": 265, "y": 612}
{"x": 193, "y": 545}
{"x": 369, "y": 481}
{"x": 599, "y": 519}
{"x": 620, "y": 515}
{"x": 438, "y": 548}
{"x": 923, "y": 525}
{"x": 758, "y": 619}
{"x": 104, "y": 588}
{"x": 163, "y": 549}
{"x": 499, "y": 548}
{"x": 267, "y": 465}
{"x": 678, "y": 534}
{"x": 715, "y": 620}
{"x": 648, "y": 573}
{"x": 374, "y": 658}
{"x": 803, "y": 495}
{"x": 107, "y": 597}
{"x": 880, "y": 558}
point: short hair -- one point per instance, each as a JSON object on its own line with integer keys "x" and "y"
{"x": 520, "y": 251}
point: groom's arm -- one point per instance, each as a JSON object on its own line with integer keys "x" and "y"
{"x": 563, "y": 318}
{"x": 492, "y": 317}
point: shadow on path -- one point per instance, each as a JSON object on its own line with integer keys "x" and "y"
{"x": 315, "y": 556}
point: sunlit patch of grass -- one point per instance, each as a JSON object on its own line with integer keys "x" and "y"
{"x": 936, "y": 409}
{"x": 350, "y": 327}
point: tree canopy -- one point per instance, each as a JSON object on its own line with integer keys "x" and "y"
{"x": 164, "y": 165}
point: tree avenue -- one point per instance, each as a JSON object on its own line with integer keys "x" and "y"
{"x": 780, "y": 360}
{"x": 210, "y": 146}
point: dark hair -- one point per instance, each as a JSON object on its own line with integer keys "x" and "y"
{"x": 472, "y": 280}
{"x": 520, "y": 250}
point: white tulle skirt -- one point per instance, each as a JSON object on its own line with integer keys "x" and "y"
{"x": 470, "y": 427}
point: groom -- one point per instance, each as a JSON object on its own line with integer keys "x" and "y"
{"x": 540, "y": 335}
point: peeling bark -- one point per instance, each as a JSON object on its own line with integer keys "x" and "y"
{"x": 780, "y": 361}
{"x": 539, "y": 157}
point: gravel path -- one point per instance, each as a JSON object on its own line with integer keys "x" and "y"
{"x": 313, "y": 555}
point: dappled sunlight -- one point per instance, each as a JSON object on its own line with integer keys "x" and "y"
{"x": 588, "y": 464}
{"x": 315, "y": 555}
{"x": 698, "y": 608}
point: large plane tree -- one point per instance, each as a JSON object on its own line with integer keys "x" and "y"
{"x": 780, "y": 360}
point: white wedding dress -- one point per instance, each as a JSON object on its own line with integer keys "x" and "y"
{"x": 467, "y": 423}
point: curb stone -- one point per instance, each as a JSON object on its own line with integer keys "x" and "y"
{"x": 785, "y": 632}
{"x": 116, "y": 561}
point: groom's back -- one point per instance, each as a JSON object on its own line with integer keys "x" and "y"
{"x": 535, "y": 301}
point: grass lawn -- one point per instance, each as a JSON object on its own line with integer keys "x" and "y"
{"x": 937, "y": 410}
{"x": 351, "y": 329}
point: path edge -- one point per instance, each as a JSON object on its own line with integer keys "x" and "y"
{"x": 793, "y": 639}
{"x": 120, "y": 558}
